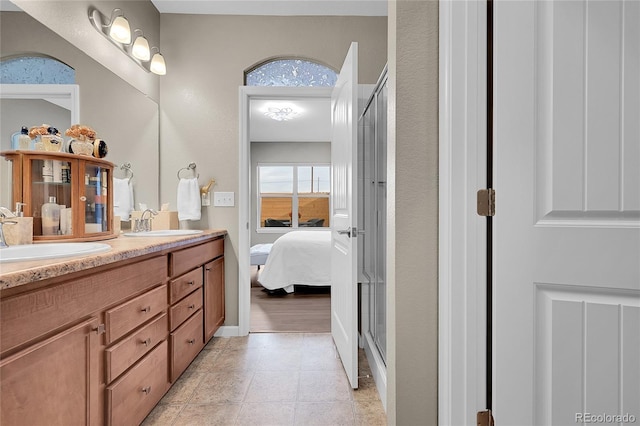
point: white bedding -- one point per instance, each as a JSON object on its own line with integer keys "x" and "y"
{"x": 298, "y": 257}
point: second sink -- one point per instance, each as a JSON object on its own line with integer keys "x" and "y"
{"x": 164, "y": 233}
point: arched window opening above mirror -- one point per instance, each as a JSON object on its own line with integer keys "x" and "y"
{"x": 294, "y": 72}
{"x": 35, "y": 70}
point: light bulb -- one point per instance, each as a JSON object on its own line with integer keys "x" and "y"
{"x": 140, "y": 49}
{"x": 120, "y": 30}
{"x": 157, "y": 65}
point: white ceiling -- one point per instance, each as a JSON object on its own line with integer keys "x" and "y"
{"x": 312, "y": 124}
{"x": 275, "y": 7}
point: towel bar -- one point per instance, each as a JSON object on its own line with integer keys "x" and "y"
{"x": 191, "y": 167}
{"x": 128, "y": 173}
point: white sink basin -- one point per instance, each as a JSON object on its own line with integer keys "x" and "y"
{"x": 164, "y": 233}
{"x": 49, "y": 251}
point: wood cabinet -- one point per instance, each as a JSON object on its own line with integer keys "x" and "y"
{"x": 196, "y": 287}
{"x": 65, "y": 364}
{"x": 81, "y": 185}
{"x": 103, "y": 347}
{"x": 213, "y": 297}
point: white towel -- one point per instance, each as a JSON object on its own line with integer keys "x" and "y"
{"x": 188, "y": 199}
{"x": 122, "y": 198}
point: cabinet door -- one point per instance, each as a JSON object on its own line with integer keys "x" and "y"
{"x": 50, "y": 185}
{"x": 54, "y": 382}
{"x": 97, "y": 200}
{"x": 213, "y": 297}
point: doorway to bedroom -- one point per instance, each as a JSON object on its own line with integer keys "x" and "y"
{"x": 289, "y": 162}
{"x": 290, "y": 234}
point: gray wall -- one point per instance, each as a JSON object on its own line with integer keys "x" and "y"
{"x": 206, "y": 58}
{"x": 281, "y": 152}
{"x": 412, "y": 246}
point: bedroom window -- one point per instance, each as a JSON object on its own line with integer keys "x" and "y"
{"x": 293, "y": 196}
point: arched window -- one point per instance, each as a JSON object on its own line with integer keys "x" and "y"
{"x": 35, "y": 70}
{"x": 291, "y": 72}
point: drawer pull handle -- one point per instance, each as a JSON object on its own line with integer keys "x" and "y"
{"x": 192, "y": 282}
{"x": 191, "y": 341}
{"x": 191, "y": 306}
{"x": 146, "y": 390}
{"x": 146, "y": 342}
{"x": 101, "y": 329}
{"x": 207, "y": 269}
{"x": 147, "y": 309}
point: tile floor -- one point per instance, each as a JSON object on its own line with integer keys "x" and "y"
{"x": 270, "y": 379}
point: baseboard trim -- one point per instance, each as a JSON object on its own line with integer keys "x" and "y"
{"x": 228, "y": 331}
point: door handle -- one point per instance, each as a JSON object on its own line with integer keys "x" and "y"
{"x": 346, "y": 232}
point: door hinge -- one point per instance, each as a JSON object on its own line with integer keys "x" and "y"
{"x": 486, "y": 202}
{"x": 484, "y": 418}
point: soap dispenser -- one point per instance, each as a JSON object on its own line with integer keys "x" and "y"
{"x": 50, "y": 217}
{"x": 21, "y": 140}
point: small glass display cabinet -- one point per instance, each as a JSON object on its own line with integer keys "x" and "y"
{"x": 69, "y": 196}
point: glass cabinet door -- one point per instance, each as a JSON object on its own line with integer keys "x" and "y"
{"x": 96, "y": 189}
{"x": 51, "y": 200}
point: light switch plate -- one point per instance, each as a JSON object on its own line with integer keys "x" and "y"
{"x": 224, "y": 199}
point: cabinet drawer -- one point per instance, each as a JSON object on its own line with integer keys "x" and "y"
{"x": 186, "y": 342}
{"x": 184, "y": 285}
{"x": 132, "y": 396}
{"x": 127, "y": 316}
{"x": 34, "y": 314}
{"x": 189, "y": 258}
{"x": 185, "y": 308}
{"x": 125, "y": 353}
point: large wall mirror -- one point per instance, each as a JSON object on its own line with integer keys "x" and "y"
{"x": 32, "y": 104}
{"x": 124, "y": 117}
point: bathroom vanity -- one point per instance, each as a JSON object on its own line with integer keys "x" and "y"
{"x": 100, "y": 339}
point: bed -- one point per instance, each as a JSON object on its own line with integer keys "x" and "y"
{"x": 298, "y": 257}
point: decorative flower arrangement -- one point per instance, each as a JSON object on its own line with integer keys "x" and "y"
{"x": 36, "y": 131}
{"x": 81, "y": 132}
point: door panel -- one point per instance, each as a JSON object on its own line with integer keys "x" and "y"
{"x": 344, "y": 141}
{"x": 567, "y": 224}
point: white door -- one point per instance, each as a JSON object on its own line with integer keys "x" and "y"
{"x": 566, "y": 346}
{"x": 344, "y": 142}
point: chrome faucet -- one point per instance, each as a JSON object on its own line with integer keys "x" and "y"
{"x": 4, "y": 214}
{"x": 142, "y": 224}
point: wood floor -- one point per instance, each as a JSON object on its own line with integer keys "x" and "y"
{"x": 307, "y": 310}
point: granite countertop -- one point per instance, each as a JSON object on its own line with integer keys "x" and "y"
{"x": 14, "y": 274}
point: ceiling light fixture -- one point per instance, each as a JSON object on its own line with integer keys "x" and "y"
{"x": 281, "y": 114}
{"x": 118, "y": 32}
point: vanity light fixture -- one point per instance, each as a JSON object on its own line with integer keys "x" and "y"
{"x": 157, "y": 65}
{"x": 118, "y": 32}
{"x": 140, "y": 48}
{"x": 119, "y": 28}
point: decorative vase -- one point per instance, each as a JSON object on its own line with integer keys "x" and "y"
{"x": 100, "y": 148}
{"x": 81, "y": 147}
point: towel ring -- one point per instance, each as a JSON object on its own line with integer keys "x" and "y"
{"x": 128, "y": 173}
{"x": 191, "y": 167}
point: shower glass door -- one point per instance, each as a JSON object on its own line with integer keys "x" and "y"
{"x": 373, "y": 214}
